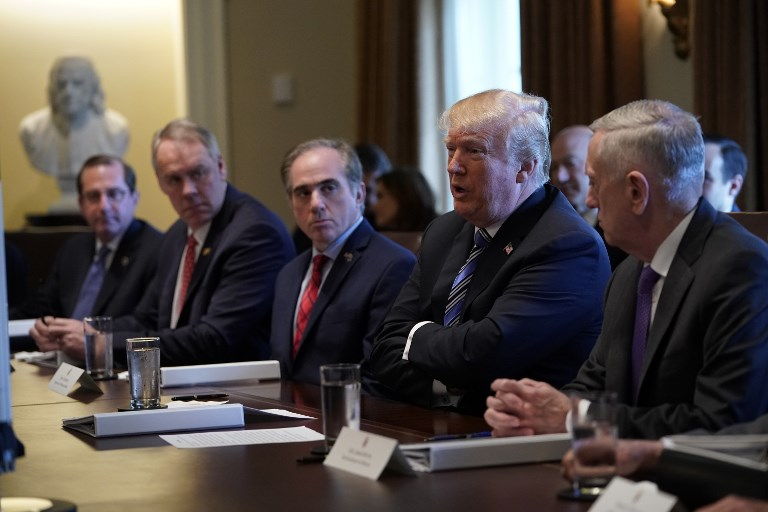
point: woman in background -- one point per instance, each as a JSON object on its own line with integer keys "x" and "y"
{"x": 404, "y": 201}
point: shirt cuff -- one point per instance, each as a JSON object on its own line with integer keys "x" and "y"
{"x": 410, "y": 338}
{"x": 583, "y": 408}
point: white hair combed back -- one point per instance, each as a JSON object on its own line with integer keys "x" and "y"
{"x": 656, "y": 135}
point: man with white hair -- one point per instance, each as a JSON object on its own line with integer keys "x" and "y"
{"x": 510, "y": 282}
{"x": 58, "y": 139}
{"x": 684, "y": 343}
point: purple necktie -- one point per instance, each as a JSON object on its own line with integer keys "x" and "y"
{"x": 91, "y": 285}
{"x": 461, "y": 283}
{"x": 648, "y": 278}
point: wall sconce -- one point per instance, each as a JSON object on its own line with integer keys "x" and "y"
{"x": 677, "y": 14}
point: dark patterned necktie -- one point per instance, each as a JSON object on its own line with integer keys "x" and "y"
{"x": 91, "y": 285}
{"x": 461, "y": 283}
{"x": 648, "y": 278}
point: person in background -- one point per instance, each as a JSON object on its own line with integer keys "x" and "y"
{"x": 375, "y": 164}
{"x": 330, "y": 300}
{"x": 725, "y": 167}
{"x": 404, "y": 201}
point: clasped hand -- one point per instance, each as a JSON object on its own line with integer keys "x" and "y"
{"x": 66, "y": 334}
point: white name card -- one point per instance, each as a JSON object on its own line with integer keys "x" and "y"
{"x": 67, "y": 377}
{"x": 623, "y": 495}
{"x": 366, "y": 454}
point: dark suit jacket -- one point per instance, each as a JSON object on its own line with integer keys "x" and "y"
{"x": 132, "y": 269}
{"x": 361, "y": 286}
{"x": 227, "y": 309}
{"x": 706, "y": 362}
{"x": 533, "y": 307}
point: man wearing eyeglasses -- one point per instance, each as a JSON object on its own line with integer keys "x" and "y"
{"x": 104, "y": 272}
{"x": 211, "y": 299}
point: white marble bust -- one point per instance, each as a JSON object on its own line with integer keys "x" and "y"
{"x": 75, "y": 126}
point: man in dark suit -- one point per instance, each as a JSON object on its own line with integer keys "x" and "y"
{"x": 107, "y": 196}
{"x": 211, "y": 299}
{"x": 509, "y": 283}
{"x": 353, "y": 273}
{"x": 684, "y": 341}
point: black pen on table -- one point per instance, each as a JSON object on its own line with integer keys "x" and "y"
{"x": 452, "y": 437}
{"x": 186, "y": 398}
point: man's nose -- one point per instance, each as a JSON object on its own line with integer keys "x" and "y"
{"x": 454, "y": 165}
{"x": 316, "y": 200}
{"x": 188, "y": 187}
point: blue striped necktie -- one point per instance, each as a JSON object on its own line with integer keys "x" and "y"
{"x": 461, "y": 283}
{"x": 91, "y": 285}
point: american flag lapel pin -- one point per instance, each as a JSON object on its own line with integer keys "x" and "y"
{"x": 508, "y": 249}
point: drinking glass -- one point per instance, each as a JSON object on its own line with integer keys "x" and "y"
{"x": 340, "y": 385}
{"x": 594, "y": 432}
{"x": 144, "y": 372}
{"x": 98, "y": 347}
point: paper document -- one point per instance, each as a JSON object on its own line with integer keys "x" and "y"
{"x": 241, "y": 437}
{"x": 287, "y": 414}
{"x": 20, "y": 327}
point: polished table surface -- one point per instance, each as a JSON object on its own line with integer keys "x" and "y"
{"x": 145, "y": 473}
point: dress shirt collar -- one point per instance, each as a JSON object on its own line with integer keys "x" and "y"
{"x": 200, "y": 234}
{"x": 334, "y": 248}
{"x": 664, "y": 255}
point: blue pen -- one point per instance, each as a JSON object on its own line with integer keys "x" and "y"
{"x": 452, "y": 437}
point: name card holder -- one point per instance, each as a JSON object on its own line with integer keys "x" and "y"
{"x": 69, "y": 379}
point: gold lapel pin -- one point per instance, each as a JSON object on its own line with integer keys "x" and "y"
{"x": 206, "y": 251}
{"x": 348, "y": 256}
{"x": 508, "y": 249}
{"x": 125, "y": 261}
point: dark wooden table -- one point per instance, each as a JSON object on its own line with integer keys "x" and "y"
{"x": 145, "y": 473}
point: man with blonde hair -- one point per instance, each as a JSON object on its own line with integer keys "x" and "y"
{"x": 510, "y": 282}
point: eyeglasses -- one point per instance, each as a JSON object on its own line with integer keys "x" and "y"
{"x": 114, "y": 195}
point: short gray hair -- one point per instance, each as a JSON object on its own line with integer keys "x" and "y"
{"x": 659, "y": 136}
{"x": 353, "y": 169}
{"x": 188, "y": 131}
{"x": 520, "y": 121}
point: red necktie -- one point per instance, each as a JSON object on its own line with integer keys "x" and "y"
{"x": 186, "y": 274}
{"x": 308, "y": 299}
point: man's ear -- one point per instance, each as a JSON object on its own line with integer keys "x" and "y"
{"x": 637, "y": 189}
{"x": 735, "y": 184}
{"x": 527, "y": 168}
{"x": 360, "y": 193}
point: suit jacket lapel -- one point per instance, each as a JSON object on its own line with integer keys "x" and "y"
{"x": 218, "y": 226}
{"x": 177, "y": 235}
{"x": 507, "y": 239}
{"x": 288, "y": 313}
{"x": 344, "y": 262}
{"x": 678, "y": 280}
{"x": 118, "y": 268}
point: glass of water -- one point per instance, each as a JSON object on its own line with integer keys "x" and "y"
{"x": 98, "y": 346}
{"x": 340, "y": 385}
{"x": 594, "y": 431}
{"x": 144, "y": 372}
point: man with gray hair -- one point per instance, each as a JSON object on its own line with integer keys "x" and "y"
{"x": 211, "y": 299}
{"x": 510, "y": 282}
{"x": 75, "y": 126}
{"x": 331, "y": 299}
{"x": 684, "y": 343}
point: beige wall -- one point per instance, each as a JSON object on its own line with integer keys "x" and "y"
{"x": 667, "y": 77}
{"x": 136, "y": 47}
{"x": 313, "y": 42}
